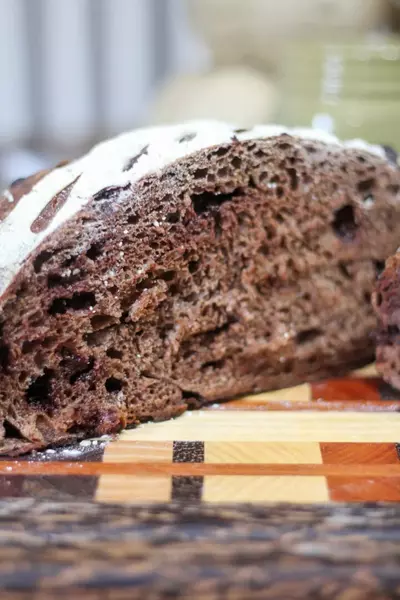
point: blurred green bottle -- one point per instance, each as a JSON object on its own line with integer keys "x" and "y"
{"x": 350, "y": 88}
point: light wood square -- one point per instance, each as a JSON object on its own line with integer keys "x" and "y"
{"x": 127, "y": 451}
{"x": 263, "y": 453}
{"x": 133, "y": 489}
{"x": 265, "y": 489}
{"x": 275, "y": 426}
{"x": 299, "y": 393}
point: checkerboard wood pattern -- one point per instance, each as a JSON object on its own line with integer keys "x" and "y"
{"x": 334, "y": 441}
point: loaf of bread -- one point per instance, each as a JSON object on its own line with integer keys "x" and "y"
{"x": 177, "y": 266}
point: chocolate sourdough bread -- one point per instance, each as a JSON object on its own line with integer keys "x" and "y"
{"x": 177, "y": 266}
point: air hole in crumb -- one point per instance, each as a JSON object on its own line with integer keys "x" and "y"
{"x": 30, "y": 345}
{"x": 344, "y": 270}
{"x": 218, "y": 224}
{"x": 307, "y": 336}
{"x": 108, "y": 193}
{"x": 113, "y": 385}
{"x": 192, "y": 399}
{"x": 379, "y": 266}
{"x": 393, "y": 330}
{"x": 379, "y": 299}
{"x": 50, "y": 341}
{"x": 222, "y": 151}
{"x": 393, "y": 188}
{"x": 193, "y": 266}
{"x": 200, "y": 173}
{"x": 344, "y": 223}
{"x": 79, "y": 301}
{"x": 56, "y": 280}
{"x": 236, "y": 162}
{"x": 113, "y": 353}
{"x": 288, "y": 366}
{"x": 366, "y": 185}
{"x": 4, "y": 357}
{"x": 293, "y": 178}
{"x": 133, "y": 219}
{"x": 213, "y": 364}
{"x": 191, "y": 297}
{"x": 41, "y": 259}
{"x": 206, "y": 200}
{"x": 101, "y": 321}
{"x": 173, "y": 217}
{"x": 367, "y": 297}
{"x": 310, "y": 149}
{"x": 39, "y": 391}
{"x": 168, "y": 275}
{"x": 10, "y": 431}
{"x": 69, "y": 261}
{"x": 94, "y": 251}
{"x": 280, "y": 191}
{"x": 80, "y": 373}
{"x": 252, "y": 182}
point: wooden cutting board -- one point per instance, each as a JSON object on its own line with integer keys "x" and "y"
{"x": 158, "y": 512}
{"x": 328, "y": 442}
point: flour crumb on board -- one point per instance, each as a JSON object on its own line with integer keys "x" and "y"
{"x": 73, "y": 452}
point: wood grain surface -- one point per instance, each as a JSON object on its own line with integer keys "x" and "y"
{"x": 325, "y": 442}
{"x": 88, "y": 550}
{"x": 191, "y": 508}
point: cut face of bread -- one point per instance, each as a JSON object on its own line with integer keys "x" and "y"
{"x": 175, "y": 267}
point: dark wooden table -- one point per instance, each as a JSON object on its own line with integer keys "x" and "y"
{"x": 91, "y": 550}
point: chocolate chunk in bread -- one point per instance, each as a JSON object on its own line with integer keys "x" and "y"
{"x": 178, "y": 266}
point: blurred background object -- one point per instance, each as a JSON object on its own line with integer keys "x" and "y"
{"x": 76, "y": 71}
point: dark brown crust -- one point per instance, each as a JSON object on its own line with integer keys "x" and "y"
{"x": 21, "y": 187}
{"x": 241, "y": 268}
{"x": 97, "y": 552}
{"x": 18, "y": 189}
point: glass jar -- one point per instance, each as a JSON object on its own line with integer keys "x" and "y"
{"x": 349, "y": 88}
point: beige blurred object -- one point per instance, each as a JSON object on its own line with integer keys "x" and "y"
{"x": 253, "y": 31}
{"x": 237, "y": 94}
{"x": 247, "y": 39}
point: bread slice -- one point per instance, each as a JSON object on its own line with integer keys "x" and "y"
{"x": 386, "y": 301}
{"x": 183, "y": 265}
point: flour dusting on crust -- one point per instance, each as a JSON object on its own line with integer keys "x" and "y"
{"x": 118, "y": 162}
